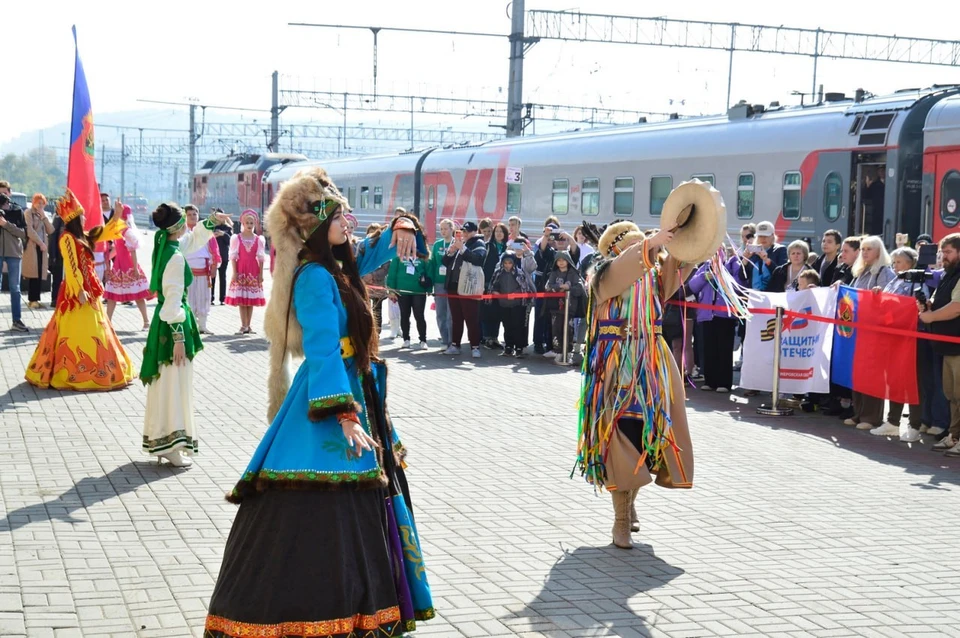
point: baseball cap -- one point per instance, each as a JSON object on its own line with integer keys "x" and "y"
{"x": 469, "y": 227}
{"x": 765, "y": 229}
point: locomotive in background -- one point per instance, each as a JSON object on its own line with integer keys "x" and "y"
{"x": 235, "y": 183}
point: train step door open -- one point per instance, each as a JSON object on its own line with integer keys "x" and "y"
{"x": 868, "y": 195}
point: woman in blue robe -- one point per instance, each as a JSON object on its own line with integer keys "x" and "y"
{"x": 324, "y": 542}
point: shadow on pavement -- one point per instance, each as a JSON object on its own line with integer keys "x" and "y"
{"x": 607, "y": 576}
{"x": 938, "y": 471}
{"x": 88, "y": 491}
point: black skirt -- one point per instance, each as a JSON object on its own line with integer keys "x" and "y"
{"x": 307, "y": 563}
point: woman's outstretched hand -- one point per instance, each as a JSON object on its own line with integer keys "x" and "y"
{"x": 357, "y": 437}
{"x": 406, "y": 243}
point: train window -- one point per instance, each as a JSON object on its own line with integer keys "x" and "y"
{"x": 364, "y": 196}
{"x": 832, "y": 196}
{"x": 377, "y": 197}
{"x": 950, "y": 199}
{"x": 352, "y": 196}
{"x": 878, "y": 122}
{"x": 660, "y": 187}
{"x": 590, "y": 197}
{"x": 623, "y": 196}
{"x": 745, "y": 194}
{"x": 855, "y": 127}
{"x": 705, "y": 177}
{"x": 513, "y": 198}
{"x": 791, "y": 195}
{"x": 240, "y": 177}
{"x": 561, "y": 196}
{"x": 431, "y": 197}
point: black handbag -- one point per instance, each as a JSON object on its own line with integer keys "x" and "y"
{"x": 426, "y": 282}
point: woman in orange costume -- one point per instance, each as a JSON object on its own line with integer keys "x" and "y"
{"x": 79, "y": 349}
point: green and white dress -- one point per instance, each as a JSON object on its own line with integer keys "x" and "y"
{"x": 168, "y": 423}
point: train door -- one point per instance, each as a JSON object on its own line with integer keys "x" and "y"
{"x": 946, "y": 193}
{"x": 868, "y": 195}
{"x": 429, "y": 218}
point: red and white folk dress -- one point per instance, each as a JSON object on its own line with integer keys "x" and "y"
{"x": 247, "y": 255}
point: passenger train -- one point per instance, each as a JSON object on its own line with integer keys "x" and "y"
{"x": 867, "y": 164}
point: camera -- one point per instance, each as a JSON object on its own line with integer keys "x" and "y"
{"x": 917, "y": 278}
{"x": 4, "y": 199}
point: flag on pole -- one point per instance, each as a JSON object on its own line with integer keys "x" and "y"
{"x": 874, "y": 363}
{"x": 804, "y": 343}
{"x": 81, "y": 174}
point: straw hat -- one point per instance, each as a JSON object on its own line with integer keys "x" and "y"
{"x": 697, "y": 212}
{"x": 617, "y": 237}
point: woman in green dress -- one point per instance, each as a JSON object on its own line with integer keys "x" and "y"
{"x": 174, "y": 338}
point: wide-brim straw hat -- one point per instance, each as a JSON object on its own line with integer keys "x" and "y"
{"x": 697, "y": 212}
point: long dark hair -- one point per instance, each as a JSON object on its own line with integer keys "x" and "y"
{"x": 340, "y": 262}
{"x": 86, "y": 239}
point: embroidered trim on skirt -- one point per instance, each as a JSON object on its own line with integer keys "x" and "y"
{"x": 246, "y": 290}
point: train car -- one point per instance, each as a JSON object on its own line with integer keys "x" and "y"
{"x": 234, "y": 183}
{"x": 941, "y": 168}
{"x": 854, "y": 164}
{"x": 374, "y": 185}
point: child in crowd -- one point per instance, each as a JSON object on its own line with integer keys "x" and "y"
{"x": 808, "y": 279}
{"x": 510, "y": 278}
{"x": 563, "y": 278}
{"x": 247, "y": 254}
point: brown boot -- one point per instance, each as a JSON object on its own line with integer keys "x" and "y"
{"x": 634, "y": 521}
{"x": 621, "y": 523}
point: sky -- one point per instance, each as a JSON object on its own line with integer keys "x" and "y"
{"x": 222, "y": 53}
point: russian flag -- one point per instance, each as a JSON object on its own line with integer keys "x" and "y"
{"x": 81, "y": 174}
{"x": 874, "y": 363}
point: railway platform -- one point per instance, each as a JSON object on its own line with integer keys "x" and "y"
{"x": 797, "y": 526}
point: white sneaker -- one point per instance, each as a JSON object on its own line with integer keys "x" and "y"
{"x": 945, "y": 443}
{"x": 423, "y": 345}
{"x": 867, "y": 426}
{"x": 406, "y": 344}
{"x": 475, "y": 353}
{"x": 886, "y": 429}
{"x": 849, "y": 422}
{"x": 723, "y": 389}
{"x": 924, "y": 428}
{"x": 910, "y": 435}
{"x": 936, "y": 431}
{"x": 954, "y": 451}
{"x": 706, "y": 388}
{"x": 452, "y": 350}
{"x": 550, "y": 353}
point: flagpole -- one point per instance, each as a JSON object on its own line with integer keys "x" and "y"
{"x": 774, "y": 408}
{"x": 76, "y": 53}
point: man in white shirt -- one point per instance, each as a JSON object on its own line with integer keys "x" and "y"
{"x": 101, "y": 261}
{"x": 203, "y": 263}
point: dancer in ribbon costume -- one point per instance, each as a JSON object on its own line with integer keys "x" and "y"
{"x": 174, "y": 338}
{"x": 324, "y": 542}
{"x": 633, "y": 422}
{"x": 79, "y": 349}
{"x": 127, "y": 282}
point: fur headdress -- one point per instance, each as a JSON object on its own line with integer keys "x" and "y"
{"x": 294, "y": 214}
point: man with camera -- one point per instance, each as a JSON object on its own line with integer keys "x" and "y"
{"x": 943, "y": 317}
{"x": 13, "y": 230}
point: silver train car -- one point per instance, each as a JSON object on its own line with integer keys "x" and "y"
{"x": 854, "y": 164}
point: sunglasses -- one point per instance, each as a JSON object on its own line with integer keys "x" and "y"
{"x": 749, "y": 236}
